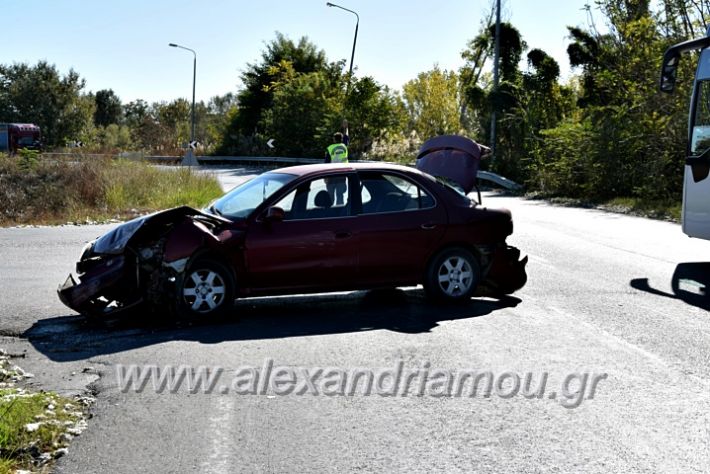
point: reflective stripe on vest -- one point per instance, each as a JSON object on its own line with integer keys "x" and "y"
{"x": 338, "y": 153}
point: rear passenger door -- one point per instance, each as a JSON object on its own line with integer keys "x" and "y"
{"x": 399, "y": 225}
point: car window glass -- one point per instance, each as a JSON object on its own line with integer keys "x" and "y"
{"x": 243, "y": 199}
{"x": 383, "y": 192}
{"x": 286, "y": 203}
{"x": 365, "y": 195}
{"x": 318, "y": 199}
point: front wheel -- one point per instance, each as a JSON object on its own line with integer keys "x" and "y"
{"x": 207, "y": 289}
{"x": 453, "y": 275}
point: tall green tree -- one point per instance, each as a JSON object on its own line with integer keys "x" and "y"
{"x": 298, "y": 116}
{"x": 295, "y": 96}
{"x": 257, "y": 96}
{"x": 374, "y": 114}
{"x": 526, "y": 101}
{"x": 432, "y": 103}
{"x": 41, "y": 95}
{"x": 628, "y": 139}
{"x": 245, "y": 131}
{"x": 108, "y": 108}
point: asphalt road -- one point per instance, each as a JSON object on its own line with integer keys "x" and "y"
{"x": 599, "y": 300}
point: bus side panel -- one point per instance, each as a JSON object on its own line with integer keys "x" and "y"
{"x": 696, "y": 206}
{"x": 696, "y": 196}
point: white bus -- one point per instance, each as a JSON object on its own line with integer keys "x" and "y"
{"x": 696, "y": 187}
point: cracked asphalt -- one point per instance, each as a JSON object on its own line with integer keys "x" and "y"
{"x": 607, "y": 294}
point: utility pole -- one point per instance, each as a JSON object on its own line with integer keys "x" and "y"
{"x": 496, "y": 60}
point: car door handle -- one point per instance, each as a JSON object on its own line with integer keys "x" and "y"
{"x": 343, "y": 234}
{"x": 428, "y": 226}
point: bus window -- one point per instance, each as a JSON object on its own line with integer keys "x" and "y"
{"x": 700, "y": 140}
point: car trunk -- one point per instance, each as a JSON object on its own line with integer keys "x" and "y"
{"x": 453, "y": 157}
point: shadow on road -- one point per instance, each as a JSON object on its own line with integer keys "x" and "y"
{"x": 690, "y": 284}
{"x": 70, "y": 338}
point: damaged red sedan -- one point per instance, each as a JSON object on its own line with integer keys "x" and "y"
{"x": 303, "y": 229}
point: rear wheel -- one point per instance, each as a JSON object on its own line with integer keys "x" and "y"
{"x": 453, "y": 275}
{"x": 207, "y": 289}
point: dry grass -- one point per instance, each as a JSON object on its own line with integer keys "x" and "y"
{"x": 37, "y": 191}
{"x": 666, "y": 210}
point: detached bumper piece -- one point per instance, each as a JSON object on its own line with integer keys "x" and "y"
{"x": 507, "y": 273}
{"x": 95, "y": 292}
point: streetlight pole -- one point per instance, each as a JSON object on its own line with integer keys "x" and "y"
{"x": 357, "y": 25}
{"x": 189, "y": 159}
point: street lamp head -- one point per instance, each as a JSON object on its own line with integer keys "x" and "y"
{"x": 173, "y": 45}
{"x": 329, "y": 4}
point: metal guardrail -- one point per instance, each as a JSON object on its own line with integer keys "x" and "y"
{"x": 200, "y": 159}
{"x": 501, "y": 181}
{"x": 282, "y": 160}
{"x": 255, "y": 160}
{"x": 494, "y": 178}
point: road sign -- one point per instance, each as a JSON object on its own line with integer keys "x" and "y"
{"x": 270, "y": 143}
{"x": 193, "y": 144}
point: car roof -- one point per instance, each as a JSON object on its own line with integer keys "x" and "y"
{"x": 306, "y": 170}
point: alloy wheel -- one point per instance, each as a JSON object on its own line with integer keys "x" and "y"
{"x": 204, "y": 290}
{"x": 455, "y": 276}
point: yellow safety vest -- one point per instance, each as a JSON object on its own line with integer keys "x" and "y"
{"x": 338, "y": 153}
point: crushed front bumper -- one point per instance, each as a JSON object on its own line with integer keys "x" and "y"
{"x": 507, "y": 272}
{"x": 95, "y": 283}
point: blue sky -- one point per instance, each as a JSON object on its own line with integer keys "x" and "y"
{"x": 123, "y": 44}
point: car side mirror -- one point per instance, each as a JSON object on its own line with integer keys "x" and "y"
{"x": 274, "y": 214}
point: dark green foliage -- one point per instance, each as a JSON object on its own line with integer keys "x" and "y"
{"x": 511, "y": 50}
{"x": 257, "y": 96}
{"x": 108, "y": 108}
{"x": 299, "y": 99}
{"x": 627, "y": 139}
{"x": 608, "y": 133}
{"x": 41, "y": 95}
{"x": 373, "y": 112}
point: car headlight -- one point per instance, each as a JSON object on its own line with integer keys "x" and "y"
{"x": 87, "y": 250}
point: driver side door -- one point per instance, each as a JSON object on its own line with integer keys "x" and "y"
{"x": 313, "y": 248}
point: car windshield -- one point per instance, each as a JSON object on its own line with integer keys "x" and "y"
{"x": 242, "y": 200}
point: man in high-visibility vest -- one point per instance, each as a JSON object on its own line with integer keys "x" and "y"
{"x": 337, "y": 153}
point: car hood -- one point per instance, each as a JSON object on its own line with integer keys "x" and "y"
{"x": 452, "y": 157}
{"x": 115, "y": 241}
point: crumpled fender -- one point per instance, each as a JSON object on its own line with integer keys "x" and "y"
{"x": 192, "y": 237}
{"x": 186, "y": 238}
{"x": 114, "y": 242}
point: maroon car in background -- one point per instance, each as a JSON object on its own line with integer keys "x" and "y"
{"x": 303, "y": 229}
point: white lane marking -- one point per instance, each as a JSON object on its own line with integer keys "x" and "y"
{"x": 220, "y": 437}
